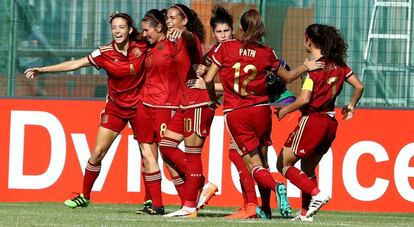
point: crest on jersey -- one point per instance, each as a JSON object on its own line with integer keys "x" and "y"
{"x": 161, "y": 46}
{"x": 137, "y": 52}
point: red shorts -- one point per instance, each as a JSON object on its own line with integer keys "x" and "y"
{"x": 314, "y": 134}
{"x": 250, "y": 127}
{"x": 194, "y": 120}
{"x": 115, "y": 117}
{"x": 152, "y": 123}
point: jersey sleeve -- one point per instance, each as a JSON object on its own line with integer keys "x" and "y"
{"x": 274, "y": 60}
{"x": 208, "y": 58}
{"x": 95, "y": 58}
{"x": 308, "y": 84}
{"x": 348, "y": 72}
{"x": 218, "y": 55}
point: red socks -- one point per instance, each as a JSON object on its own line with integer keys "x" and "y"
{"x": 301, "y": 180}
{"x": 180, "y": 187}
{"x": 246, "y": 180}
{"x": 147, "y": 195}
{"x": 194, "y": 178}
{"x": 306, "y": 198}
{"x": 91, "y": 173}
{"x": 170, "y": 151}
{"x": 153, "y": 184}
{"x": 263, "y": 178}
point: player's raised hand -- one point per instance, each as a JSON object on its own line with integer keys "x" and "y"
{"x": 32, "y": 72}
{"x": 313, "y": 63}
{"x": 174, "y": 33}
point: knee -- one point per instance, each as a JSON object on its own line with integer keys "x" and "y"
{"x": 97, "y": 156}
{"x": 279, "y": 163}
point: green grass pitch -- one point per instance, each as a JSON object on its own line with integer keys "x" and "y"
{"x": 56, "y": 214}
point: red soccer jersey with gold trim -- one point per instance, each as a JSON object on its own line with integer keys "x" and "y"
{"x": 243, "y": 73}
{"x": 125, "y": 72}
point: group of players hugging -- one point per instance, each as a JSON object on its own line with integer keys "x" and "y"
{"x": 161, "y": 83}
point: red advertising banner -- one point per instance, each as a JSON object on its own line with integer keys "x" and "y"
{"x": 45, "y": 145}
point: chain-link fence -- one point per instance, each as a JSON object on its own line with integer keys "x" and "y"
{"x": 44, "y": 32}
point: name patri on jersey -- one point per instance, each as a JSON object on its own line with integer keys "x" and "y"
{"x": 248, "y": 53}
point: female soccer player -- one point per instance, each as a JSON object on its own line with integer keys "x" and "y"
{"x": 160, "y": 100}
{"x": 222, "y": 25}
{"x": 123, "y": 61}
{"x": 192, "y": 122}
{"x": 316, "y": 129}
{"x": 243, "y": 66}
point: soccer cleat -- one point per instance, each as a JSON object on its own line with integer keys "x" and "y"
{"x": 206, "y": 194}
{"x": 236, "y": 212}
{"x": 151, "y": 210}
{"x": 316, "y": 203}
{"x": 78, "y": 201}
{"x": 184, "y": 212}
{"x": 264, "y": 214}
{"x": 147, "y": 204}
{"x": 302, "y": 218}
{"x": 282, "y": 200}
{"x": 249, "y": 211}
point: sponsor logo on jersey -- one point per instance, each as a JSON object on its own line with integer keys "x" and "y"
{"x": 116, "y": 60}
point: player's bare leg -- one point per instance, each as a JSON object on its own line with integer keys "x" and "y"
{"x": 104, "y": 140}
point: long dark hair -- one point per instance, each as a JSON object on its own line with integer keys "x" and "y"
{"x": 329, "y": 40}
{"x": 156, "y": 17}
{"x": 252, "y": 26}
{"x": 194, "y": 23}
{"x": 135, "y": 35}
{"x": 220, "y": 16}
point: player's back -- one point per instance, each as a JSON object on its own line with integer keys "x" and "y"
{"x": 243, "y": 72}
{"x": 327, "y": 85}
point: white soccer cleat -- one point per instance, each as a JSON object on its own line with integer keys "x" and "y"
{"x": 208, "y": 191}
{"x": 184, "y": 212}
{"x": 316, "y": 203}
{"x": 301, "y": 218}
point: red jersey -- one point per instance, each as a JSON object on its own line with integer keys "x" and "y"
{"x": 161, "y": 82}
{"x": 124, "y": 72}
{"x": 243, "y": 74}
{"x": 325, "y": 84}
{"x": 187, "y": 57}
{"x": 208, "y": 58}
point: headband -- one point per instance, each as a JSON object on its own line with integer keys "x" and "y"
{"x": 181, "y": 10}
{"x": 152, "y": 18}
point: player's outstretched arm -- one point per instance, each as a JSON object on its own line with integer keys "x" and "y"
{"x": 61, "y": 67}
{"x": 348, "y": 110}
{"x": 308, "y": 65}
